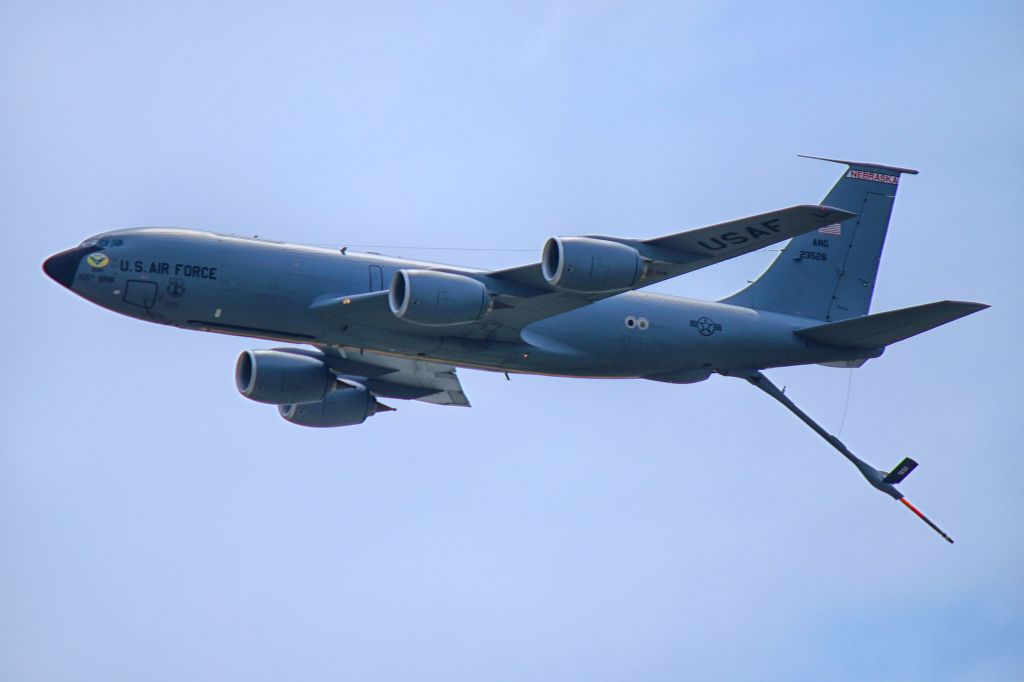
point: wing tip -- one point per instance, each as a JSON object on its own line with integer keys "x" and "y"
{"x": 829, "y": 212}
{"x": 969, "y": 307}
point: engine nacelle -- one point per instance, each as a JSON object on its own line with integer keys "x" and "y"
{"x": 277, "y": 377}
{"x": 591, "y": 266}
{"x": 344, "y": 407}
{"x": 437, "y": 298}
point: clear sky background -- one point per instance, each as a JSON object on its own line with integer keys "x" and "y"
{"x": 154, "y": 525}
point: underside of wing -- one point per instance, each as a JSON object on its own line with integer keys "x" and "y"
{"x": 393, "y": 377}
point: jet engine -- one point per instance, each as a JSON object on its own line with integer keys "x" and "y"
{"x": 278, "y": 377}
{"x": 591, "y": 266}
{"x": 436, "y": 298}
{"x": 344, "y": 407}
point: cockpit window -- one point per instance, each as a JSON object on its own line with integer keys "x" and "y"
{"x": 103, "y": 242}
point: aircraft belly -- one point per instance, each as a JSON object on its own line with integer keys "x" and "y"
{"x": 678, "y": 336}
{"x": 641, "y": 334}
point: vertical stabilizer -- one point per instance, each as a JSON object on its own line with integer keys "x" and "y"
{"x": 829, "y": 274}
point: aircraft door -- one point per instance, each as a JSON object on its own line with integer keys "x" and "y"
{"x": 376, "y": 278}
{"x": 140, "y": 293}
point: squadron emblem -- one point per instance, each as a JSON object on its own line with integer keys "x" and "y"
{"x": 176, "y": 288}
{"x": 98, "y": 260}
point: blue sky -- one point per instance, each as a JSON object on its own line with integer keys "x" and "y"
{"x": 158, "y": 526}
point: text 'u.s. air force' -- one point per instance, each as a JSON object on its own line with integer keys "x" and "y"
{"x": 195, "y": 271}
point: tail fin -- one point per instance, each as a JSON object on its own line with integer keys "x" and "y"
{"x": 829, "y": 274}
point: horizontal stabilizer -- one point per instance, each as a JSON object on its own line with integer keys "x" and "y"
{"x": 882, "y": 329}
{"x": 895, "y": 169}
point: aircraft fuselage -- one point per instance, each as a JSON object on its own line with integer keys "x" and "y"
{"x": 264, "y": 289}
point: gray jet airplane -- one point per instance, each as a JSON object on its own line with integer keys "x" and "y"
{"x": 389, "y": 328}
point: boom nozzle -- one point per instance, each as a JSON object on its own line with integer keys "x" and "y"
{"x": 926, "y": 520}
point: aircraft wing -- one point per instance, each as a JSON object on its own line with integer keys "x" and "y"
{"x": 394, "y": 377}
{"x": 523, "y": 295}
{"x": 669, "y": 256}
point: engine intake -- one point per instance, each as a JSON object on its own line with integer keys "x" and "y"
{"x": 436, "y": 298}
{"x": 278, "y": 377}
{"x": 344, "y": 407}
{"x": 591, "y": 266}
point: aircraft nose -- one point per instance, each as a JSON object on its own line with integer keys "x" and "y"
{"x": 61, "y": 267}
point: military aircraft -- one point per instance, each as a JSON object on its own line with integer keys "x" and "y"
{"x": 375, "y": 327}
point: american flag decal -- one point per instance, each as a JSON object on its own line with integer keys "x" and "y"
{"x": 835, "y": 229}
